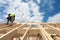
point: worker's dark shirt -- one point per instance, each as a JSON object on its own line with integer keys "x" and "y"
{"x": 9, "y": 18}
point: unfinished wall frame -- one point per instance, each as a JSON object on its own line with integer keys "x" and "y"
{"x": 25, "y": 31}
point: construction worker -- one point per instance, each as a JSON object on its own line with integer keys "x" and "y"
{"x": 10, "y": 18}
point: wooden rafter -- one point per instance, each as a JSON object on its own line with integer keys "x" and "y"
{"x": 44, "y": 34}
{"x": 26, "y": 33}
{"x": 9, "y": 34}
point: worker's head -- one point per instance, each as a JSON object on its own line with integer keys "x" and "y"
{"x": 11, "y": 15}
{"x": 8, "y": 14}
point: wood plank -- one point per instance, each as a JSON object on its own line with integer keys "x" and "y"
{"x": 31, "y": 31}
{"x": 48, "y": 36}
{"x": 44, "y": 34}
{"x": 26, "y": 33}
{"x": 53, "y": 30}
{"x": 10, "y": 34}
{"x": 57, "y": 38}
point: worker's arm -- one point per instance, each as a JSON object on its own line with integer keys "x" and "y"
{"x": 9, "y": 18}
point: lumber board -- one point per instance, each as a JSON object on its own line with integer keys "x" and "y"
{"x": 31, "y": 30}
{"x": 25, "y": 34}
{"x": 57, "y": 38}
{"x": 48, "y": 36}
{"x": 53, "y": 30}
{"x": 44, "y": 34}
{"x": 10, "y": 34}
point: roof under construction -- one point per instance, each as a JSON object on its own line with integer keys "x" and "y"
{"x": 30, "y": 31}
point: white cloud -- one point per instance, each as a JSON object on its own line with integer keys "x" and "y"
{"x": 2, "y": 1}
{"x": 1, "y": 20}
{"x": 39, "y": 1}
{"x": 22, "y": 11}
{"x": 55, "y": 18}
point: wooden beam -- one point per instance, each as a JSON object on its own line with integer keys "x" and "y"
{"x": 26, "y": 33}
{"x": 53, "y": 30}
{"x": 31, "y": 30}
{"x": 44, "y": 34}
{"x": 10, "y": 34}
{"x": 48, "y": 36}
{"x": 57, "y": 38}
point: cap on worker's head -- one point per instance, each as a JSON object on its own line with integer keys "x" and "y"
{"x": 12, "y": 14}
{"x": 8, "y": 14}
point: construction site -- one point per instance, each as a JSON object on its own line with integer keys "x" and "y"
{"x": 30, "y": 31}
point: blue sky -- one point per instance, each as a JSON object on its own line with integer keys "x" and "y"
{"x": 54, "y": 11}
{"x": 31, "y": 10}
